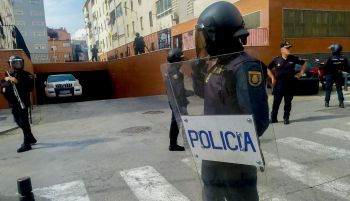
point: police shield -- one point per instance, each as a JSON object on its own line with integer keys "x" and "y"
{"x": 221, "y": 105}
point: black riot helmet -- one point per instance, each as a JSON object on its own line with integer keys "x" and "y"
{"x": 16, "y": 62}
{"x": 221, "y": 29}
{"x": 175, "y": 55}
{"x": 336, "y": 49}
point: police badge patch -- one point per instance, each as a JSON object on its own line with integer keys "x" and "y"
{"x": 255, "y": 78}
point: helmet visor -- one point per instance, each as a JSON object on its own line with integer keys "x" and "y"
{"x": 16, "y": 63}
{"x": 201, "y": 38}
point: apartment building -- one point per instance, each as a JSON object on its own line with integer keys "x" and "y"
{"x": 59, "y": 41}
{"x": 7, "y": 20}
{"x": 30, "y": 20}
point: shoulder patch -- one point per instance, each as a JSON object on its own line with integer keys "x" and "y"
{"x": 255, "y": 78}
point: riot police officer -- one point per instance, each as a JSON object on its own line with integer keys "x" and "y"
{"x": 335, "y": 65}
{"x": 283, "y": 79}
{"x": 234, "y": 85}
{"x": 23, "y": 82}
{"x": 177, "y": 81}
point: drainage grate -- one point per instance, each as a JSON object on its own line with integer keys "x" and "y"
{"x": 137, "y": 129}
{"x": 153, "y": 112}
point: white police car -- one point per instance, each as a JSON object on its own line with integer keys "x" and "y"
{"x": 62, "y": 85}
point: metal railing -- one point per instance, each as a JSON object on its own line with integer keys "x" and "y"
{"x": 258, "y": 37}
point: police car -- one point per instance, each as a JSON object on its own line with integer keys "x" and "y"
{"x": 309, "y": 82}
{"x": 62, "y": 85}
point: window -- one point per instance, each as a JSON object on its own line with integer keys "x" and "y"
{"x": 140, "y": 2}
{"x": 66, "y": 44}
{"x": 19, "y": 12}
{"x": 20, "y": 23}
{"x": 35, "y": 13}
{"x": 119, "y": 11}
{"x": 43, "y": 47}
{"x": 164, "y": 39}
{"x": 133, "y": 27}
{"x": 315, "y": 23}
{"x": 34, "y": 1}
{"x": 131, "y": 5}
{"x": 126, "y": 11}
{"x": 53, "y": 47}
{"x": 127, "y": 29}
{"x": 163, "y": 8}
{"x": 37, "y": 23}
{"x": 141, "y": 23}
{"x": 150, "y": 19}
{"x": 38, "y": 34}
{"x": 252, "y": 20}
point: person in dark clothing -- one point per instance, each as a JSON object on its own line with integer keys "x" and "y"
{"x": 139, "y": 44}
{"x": 23, "y": 81}
{"x": 177, "y": 82}
{"x": 234, "y": 85}
{"x": 334, "y": 68}
{"x": 94, "y": 52}
{"x": 283, "y": 79}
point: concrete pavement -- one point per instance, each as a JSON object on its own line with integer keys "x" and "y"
{"x": 117, "y": 150}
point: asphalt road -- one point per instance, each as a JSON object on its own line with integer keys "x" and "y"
{"x": 117, "y": 150}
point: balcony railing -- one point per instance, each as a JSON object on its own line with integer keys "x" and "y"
{"x": 258, "y": 37}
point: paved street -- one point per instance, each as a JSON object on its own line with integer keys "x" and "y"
{"x": 117, "y": 150}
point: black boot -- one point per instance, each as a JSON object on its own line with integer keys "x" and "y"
{"x": 273, "y": 120}
{"x": 326, "y": 104}
{"x": 286, "y": 121}
{"x": 32, "y": 140}
{"x": 176, "y": 148}
{"x": 23, "y": 148}
{"x": 341, "y": 104}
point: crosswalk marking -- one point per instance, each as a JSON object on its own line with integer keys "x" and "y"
{"x": 314, "y": 147}
{"x": 264, "y": 192}
{"x": 336, "y": 133}
{"x": 310, "y": 177}
{"x": 149, "y": 185}
{"x": 72, "y": 191}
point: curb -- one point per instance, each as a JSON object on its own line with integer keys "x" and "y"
{"x": 8, "y": 130}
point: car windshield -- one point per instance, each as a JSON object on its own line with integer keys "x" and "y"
{"x": 60, "y": 78}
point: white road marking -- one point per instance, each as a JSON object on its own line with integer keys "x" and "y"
{"x": 149, "y": 185}
{"x": 72, "y": 191}
{"x": 348, "y": 123}
{"x": 264, "y": 192}
{"x": 313, "y": 147}
{"x": 336, "y": 133}
{"x": 312, "y": 178}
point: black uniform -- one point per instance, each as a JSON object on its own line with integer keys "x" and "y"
{"x": 176, "y": 80}
{"x": 24, "y": 87}
{"x": 139, "y": 45}
{"x": 94, "y": 52}
{"x": 333, "y": 72}
{"x": 285, "y": 77}
{"x": 235, "y": 85}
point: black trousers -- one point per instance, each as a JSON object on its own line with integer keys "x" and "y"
{"x": 279, "y": 94}
{"x": 230, "y": 182}
{"x": 174, "y": 130}
{"x": 21, "y": 118}
{"x": 94, "y": 58}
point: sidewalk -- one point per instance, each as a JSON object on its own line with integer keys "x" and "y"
{"x": 7, "y": 122}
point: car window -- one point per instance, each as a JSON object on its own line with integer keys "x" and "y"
{"x": 60, "y": 78}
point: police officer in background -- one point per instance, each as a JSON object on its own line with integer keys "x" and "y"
{"x": 177, "y": 81}
{"x": 283, "y": 79}
{"x": 24, "y": 83}
{"x": 234, "y": 85}
{"x": 334, "y": 67}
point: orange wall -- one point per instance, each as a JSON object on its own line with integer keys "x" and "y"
{"x": 69, "y": 67}
{"x": 251, "y": 6}
{"x": 138, "y": 75}
{"x": 306, "y": 45}
{"x": 4, "y": 56}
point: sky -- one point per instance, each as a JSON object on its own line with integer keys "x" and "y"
{"x": 65, "y": 13}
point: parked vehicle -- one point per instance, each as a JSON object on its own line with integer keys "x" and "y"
{"x": 62, "y": 85}
{"x": 309, "y": 82}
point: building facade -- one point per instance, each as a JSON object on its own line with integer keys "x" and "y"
{"x": 80, "y": 50}
{"x": 112, "y": 25}
{"x": 59, "y": 41}
{"x": 7, "y": 20}
{"x": 30, "y": 20}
